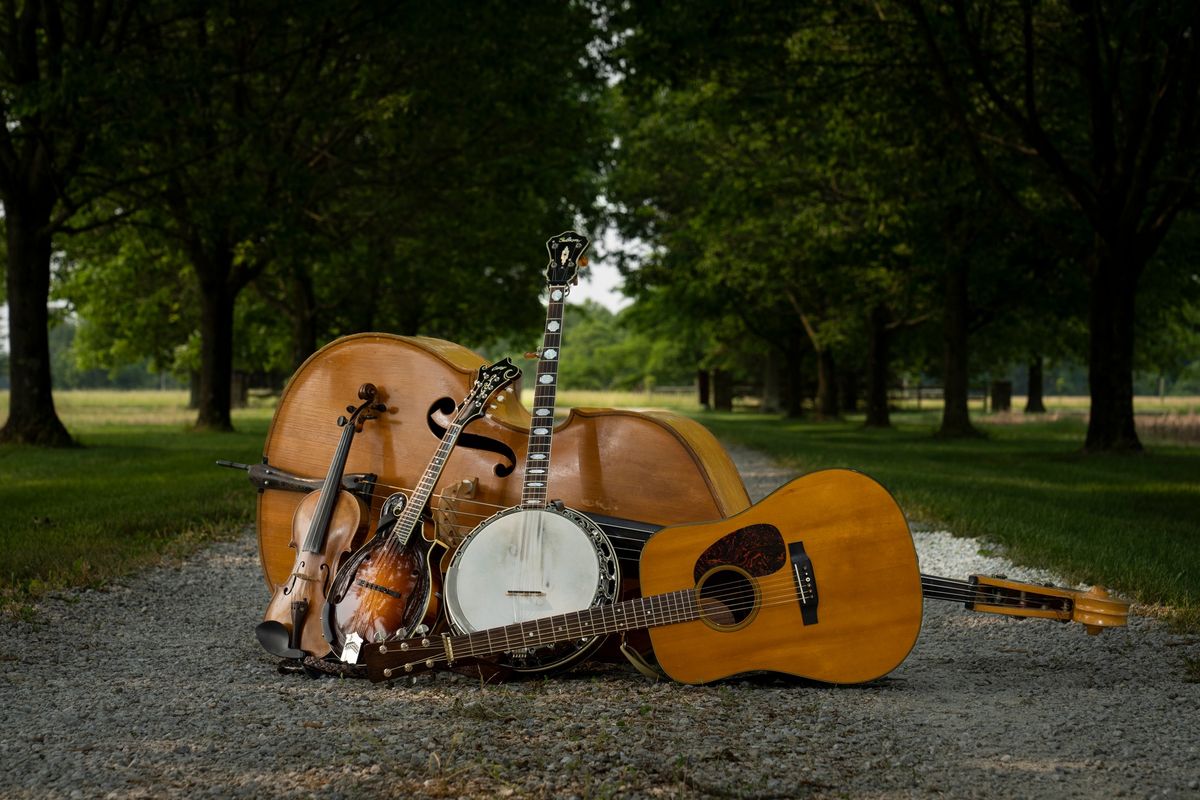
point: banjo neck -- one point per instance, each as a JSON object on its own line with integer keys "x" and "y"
{"x": 541, "y": 431}
{"x": 565, "y": 250}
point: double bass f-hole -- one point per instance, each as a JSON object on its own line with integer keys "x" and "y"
{"x": 445, "y": 406}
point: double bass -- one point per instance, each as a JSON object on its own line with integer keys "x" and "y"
{"x": 631, "y": 471}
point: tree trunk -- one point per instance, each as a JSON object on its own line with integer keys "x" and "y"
{"x": 702, "y": 387}
{"x": 304, "y": 317}
{"x": 1035, "y": 397}
{"x": 878, "y": 358}
{"x": 956, "y": 419}
{"x": 31, "y": 415}
{"x": 216, "y": 352}
{"x": 827, "y": 398}
{"x": 722, "y": 385}
{"x": 848, "y": 390}
{"x": 1110, "y": 358}
{"x": 793, "y": 384}
{"x": 774, "y": 377}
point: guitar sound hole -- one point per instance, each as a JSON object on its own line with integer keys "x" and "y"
{"x": 729, "y": 598}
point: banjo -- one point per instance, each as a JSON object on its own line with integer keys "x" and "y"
{"x": 537, "y": 559}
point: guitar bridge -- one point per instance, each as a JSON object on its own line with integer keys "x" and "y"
{"x": 806, "y": 582}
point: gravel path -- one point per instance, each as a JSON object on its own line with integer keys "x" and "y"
{"x": 158, "y": 688}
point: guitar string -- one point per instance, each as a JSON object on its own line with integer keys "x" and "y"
{"x": 737, "y": 601}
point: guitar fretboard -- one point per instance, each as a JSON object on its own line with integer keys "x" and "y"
{"x": 643, "y": 612}
{"x": 545, "y": 388}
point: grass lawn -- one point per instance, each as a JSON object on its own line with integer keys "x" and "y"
{"x": 141, "y": 487}
{"x": 144, "y": 486}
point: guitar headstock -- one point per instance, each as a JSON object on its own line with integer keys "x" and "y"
{"x": 491, "y": 379}
{"x": 565, "y": 250}
{"x": 1095, "y": 609}
{"x": 389, "y": 660}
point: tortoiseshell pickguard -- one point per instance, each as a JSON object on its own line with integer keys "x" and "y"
{"x": 759, "y": 549}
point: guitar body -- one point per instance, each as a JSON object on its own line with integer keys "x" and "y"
{"x": 384, "y": 591}
{"x": 818, "y": 580}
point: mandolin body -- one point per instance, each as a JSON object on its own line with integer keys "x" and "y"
{"x": 855, "y": 619}
{"x": 384, "y": 591}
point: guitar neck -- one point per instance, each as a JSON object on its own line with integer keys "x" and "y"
{"x": 410, "y": 519}
{"x": 643, "y": 612}
{"x": 545, "y": 389}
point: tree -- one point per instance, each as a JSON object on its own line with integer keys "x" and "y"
{"x": 63, "y": 105}
{"x": 1103, "y": 99}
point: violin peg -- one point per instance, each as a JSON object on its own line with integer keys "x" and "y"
{"x": 342, "y": 422}
{"x": 380, "y": 407}
{"x": 349, "y": 409}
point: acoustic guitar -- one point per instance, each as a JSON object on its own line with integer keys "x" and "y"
{"x": 819, "y": 580}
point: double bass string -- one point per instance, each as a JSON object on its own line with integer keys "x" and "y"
{"x": 628, "y": 545}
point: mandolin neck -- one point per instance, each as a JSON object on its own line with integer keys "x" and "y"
{"x": 410, "y": 519}
{"x": 541, "y": 428}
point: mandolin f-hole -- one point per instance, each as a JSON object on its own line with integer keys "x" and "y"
{"x": 728, "y": 597}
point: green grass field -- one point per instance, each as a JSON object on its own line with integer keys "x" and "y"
{"x": 144, "y": 487}
{"x": 141, "y": 487}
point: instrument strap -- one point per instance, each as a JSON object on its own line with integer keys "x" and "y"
{"x": 640, "y": 662}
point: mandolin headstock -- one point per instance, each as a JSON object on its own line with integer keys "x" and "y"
{"x": 1095, "y": 609}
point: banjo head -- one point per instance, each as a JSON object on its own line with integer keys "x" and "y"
{"x": 524, "y": 564}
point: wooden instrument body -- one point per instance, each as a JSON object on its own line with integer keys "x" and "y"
{"x": 865, "y": 566}
{"x": 655, "y": 467}
{"x": 382, "y": 589}
{"x": 312, "y": 573}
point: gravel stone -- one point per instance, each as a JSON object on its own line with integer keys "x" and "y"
{"x": 157, "y": 687}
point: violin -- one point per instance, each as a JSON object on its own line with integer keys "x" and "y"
{"x": 325, "y": 527}
{"x": 390, "y": 588}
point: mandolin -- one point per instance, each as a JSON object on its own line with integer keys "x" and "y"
{"x": 325, "y": 528}
{"x": 819, "y": 580}
{"x": 389, "y": 588}
{"x": 540, "y": 557}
